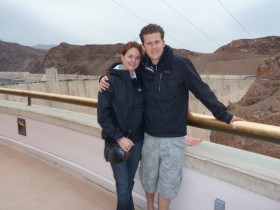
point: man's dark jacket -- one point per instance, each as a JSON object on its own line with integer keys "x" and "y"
{"x": 167, "y": 87}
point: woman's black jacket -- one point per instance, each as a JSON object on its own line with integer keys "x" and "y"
{"x": 116, "y": 107}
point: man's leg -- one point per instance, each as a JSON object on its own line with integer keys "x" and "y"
{"x": 149, "y": 168}
{"x": 150, "y": 200}
{"x": 170, "y": 172}
{"x": 163, "y": 203}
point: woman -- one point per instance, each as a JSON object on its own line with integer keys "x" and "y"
{"x": 120, "y": 114}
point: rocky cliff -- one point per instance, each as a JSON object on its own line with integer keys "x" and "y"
{"x": 266, "y": 45}
{"x": 15, "y": 57}
{"x": 86, "y": 60}
{"x": 260, "y": 104}
{"x": 238, "y": 57}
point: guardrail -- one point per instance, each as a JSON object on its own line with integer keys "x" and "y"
{"x": 258, "y": 131}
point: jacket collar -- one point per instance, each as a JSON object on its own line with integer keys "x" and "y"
{"x": 165, "y": 59}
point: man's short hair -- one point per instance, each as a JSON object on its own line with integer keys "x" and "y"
{"x": 150, "y": 29}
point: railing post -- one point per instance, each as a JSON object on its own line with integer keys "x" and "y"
{"x": 28, "y": 101}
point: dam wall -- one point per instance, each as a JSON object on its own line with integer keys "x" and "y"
{"x": 228, "y": 88}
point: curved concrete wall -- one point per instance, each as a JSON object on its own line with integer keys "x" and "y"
{"x": 244, "y": 180}
{"x": 226, "y": 87}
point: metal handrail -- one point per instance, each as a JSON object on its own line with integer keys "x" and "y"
{"x": 269, "y": 133}
{"x": 77, "y": 100}
{"x": 258, "y": 131}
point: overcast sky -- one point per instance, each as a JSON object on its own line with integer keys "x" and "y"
{"x": 196, "y": 25}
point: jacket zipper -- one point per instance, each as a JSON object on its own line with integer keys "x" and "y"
{"x": 160, "y": 76}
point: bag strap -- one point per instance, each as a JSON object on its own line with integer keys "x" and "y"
{"x": 134, "y": 110}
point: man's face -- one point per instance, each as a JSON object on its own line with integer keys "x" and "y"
{"x": 154, "y": 46}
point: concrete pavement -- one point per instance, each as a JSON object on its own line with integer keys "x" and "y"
{"x": 30, "y": 183}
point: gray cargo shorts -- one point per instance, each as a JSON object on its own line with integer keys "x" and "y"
{"x": 161, "y": 165}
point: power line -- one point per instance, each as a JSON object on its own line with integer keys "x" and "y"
{"x": 144, "y": 20}
{"x": 130, "y": 11}
{"x": 238, "y": 23}
{"x": 191, "y": 23}
{"x": 235, "y": 18}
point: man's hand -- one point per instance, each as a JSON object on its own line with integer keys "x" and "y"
{"x": 103, "y": 84}
{"x": 235, "y": 119}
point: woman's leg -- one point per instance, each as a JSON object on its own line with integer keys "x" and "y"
{"x": 124, "y": 174}
{"x": 133, "y": 163}
{"x": 120, "y": 171}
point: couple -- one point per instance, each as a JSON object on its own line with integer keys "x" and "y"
{"x": 146, "y": 98}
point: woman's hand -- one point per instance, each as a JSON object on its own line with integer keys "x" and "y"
{"x": 126, "y": 144}
{"x": 103, "y": 84}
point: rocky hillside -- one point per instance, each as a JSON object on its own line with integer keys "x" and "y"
{"x": 15, "y": 57}
{"x": 238, "y": 57}
{"x": 266, "y": 45}
{"x": 87, "y": 59}
{"x": 260, "y": 104}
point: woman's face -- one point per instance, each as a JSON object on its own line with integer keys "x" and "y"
{"x": 131, "y": 59}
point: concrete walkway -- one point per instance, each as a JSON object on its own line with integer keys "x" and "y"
{"x": 30, "y": 183}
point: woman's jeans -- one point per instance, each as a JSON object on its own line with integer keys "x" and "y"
{"x": 124, "y": 174}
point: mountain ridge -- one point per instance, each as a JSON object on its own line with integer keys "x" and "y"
{"x": 238, "y": 57}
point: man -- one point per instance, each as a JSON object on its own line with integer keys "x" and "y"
{"x": 167, "y": 79}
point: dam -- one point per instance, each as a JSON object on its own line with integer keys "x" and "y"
{"x": 228, "y": 88}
